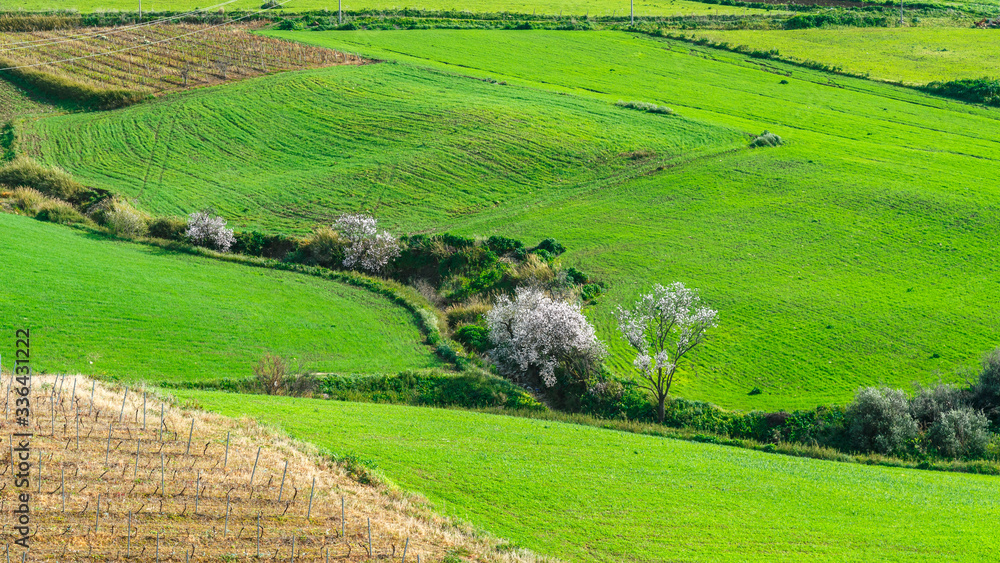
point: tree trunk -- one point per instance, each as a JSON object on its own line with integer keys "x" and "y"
{"x": 660, "y": 412}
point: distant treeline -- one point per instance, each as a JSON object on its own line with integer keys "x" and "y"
{"x": 976, "y": 90}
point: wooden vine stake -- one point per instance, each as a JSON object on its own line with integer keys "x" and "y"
{"x": 312, "y": 489}
{"x": 254, "y": 472}
{"x": 122, "y": 412}
{"x": 191, "y": 433}
{"x": 281, "y": 489}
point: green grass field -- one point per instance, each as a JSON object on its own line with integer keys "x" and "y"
{"x": 419, "y": 149}
{"x": 859, "y": 253}
{"x": 547, "y": 7}
{"x": 118, "y": 309}
{"x": 586, "y": 494}
{"x": 838, "y": 260}
{"x": 913, "y": 55}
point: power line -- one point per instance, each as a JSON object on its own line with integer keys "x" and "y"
{"x": 144, "y": 45}
{"x": 49, "y": 40}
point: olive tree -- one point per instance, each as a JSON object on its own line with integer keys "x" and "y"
{"x": 663, "y": 326}
{"x": 535, "y": 338}
{"x": 367, "y": 247}
{"x": 880, "y": 421}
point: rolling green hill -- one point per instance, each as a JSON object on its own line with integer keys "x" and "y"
{"x": 858, "y": 253}
{"x": 132, "y": 311}
{"x": 418, "y": 148}
{"x": 912, "y": 55}
{"x": 587, "y": 494}
{"x": 548, "y": 7}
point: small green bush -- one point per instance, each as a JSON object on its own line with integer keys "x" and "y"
{"x": 474, "y": 337}
{"x": 119, "y": 217}
{"x": 471, "y": 312}
{"x": 503, "y": 245}
{"x": 53, "y": 182}
{"x": 168, "y": 228}
{"x": 326, "y": 247}
{"x": 28, "y": 200}
{"x": 766, "y": 139}
{"x": 55, "y": 211}
{"x": 645, "y": 106}
{"x": 551, "y": 246}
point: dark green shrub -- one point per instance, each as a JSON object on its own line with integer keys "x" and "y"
{"x": 254, "y": 243}
{"x": 880, "y": 421}
{"x": 53, "y": 182}
{"x": 168, "y": 228}
{"x": 545, "y": 255}
{"x": 457, "y": 241}
{"x": 929, "y": 403}
{"x": 766, "y": 139}
{"x": 960, "y": 432}
{"x": 986, "y": 390}
{"x": 576, "y": 277}
{"x": 552, "y": 246}
{"x": 590, "y": 291}
{"x": 474, "y": 337}
{"x": 503, "y": 245}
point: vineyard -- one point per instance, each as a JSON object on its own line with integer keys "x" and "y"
{"x": 156, "y": 58}
{"x": 118, "y": 473}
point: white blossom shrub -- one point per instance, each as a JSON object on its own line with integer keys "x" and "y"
{"x": 208, "y": 230}
{"x": 534, "y": 336}
{"x": 662, "y": 327}
{"x": 367, "y": 247}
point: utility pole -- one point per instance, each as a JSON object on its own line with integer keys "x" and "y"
{"x": 900, "y": 13}
{"x": 140, "y": 11}
{"x": 340, "y": 12}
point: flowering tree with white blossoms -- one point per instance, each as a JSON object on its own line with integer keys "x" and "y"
{"x": 534, "y": 335}
{"x": 206, "y": 229}
{"x": 368, "y": 248}
{"x": 663, "y": 326}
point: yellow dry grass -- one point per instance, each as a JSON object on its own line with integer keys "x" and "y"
{"x": 161, "y": 57}
{"x": 75, "y": 466}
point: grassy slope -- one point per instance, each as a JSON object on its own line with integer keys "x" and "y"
{"x": 915, "y": 55}
{"x": 841, "y": 259}
{"x": 585, "y": 494}
{"x": 838, "y": 260}
{"x": 548, "y": 7}
{"x": 14, "y": 102}
{"x": 138, "y": 312}
{"x": 290, "y": 151}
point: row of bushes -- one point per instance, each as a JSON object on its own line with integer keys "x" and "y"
{"x": 976, "y": 90}
{"x": 847, "y": 18}
{"x": 472, "y": 388}
{"x": 943, "y": 421}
